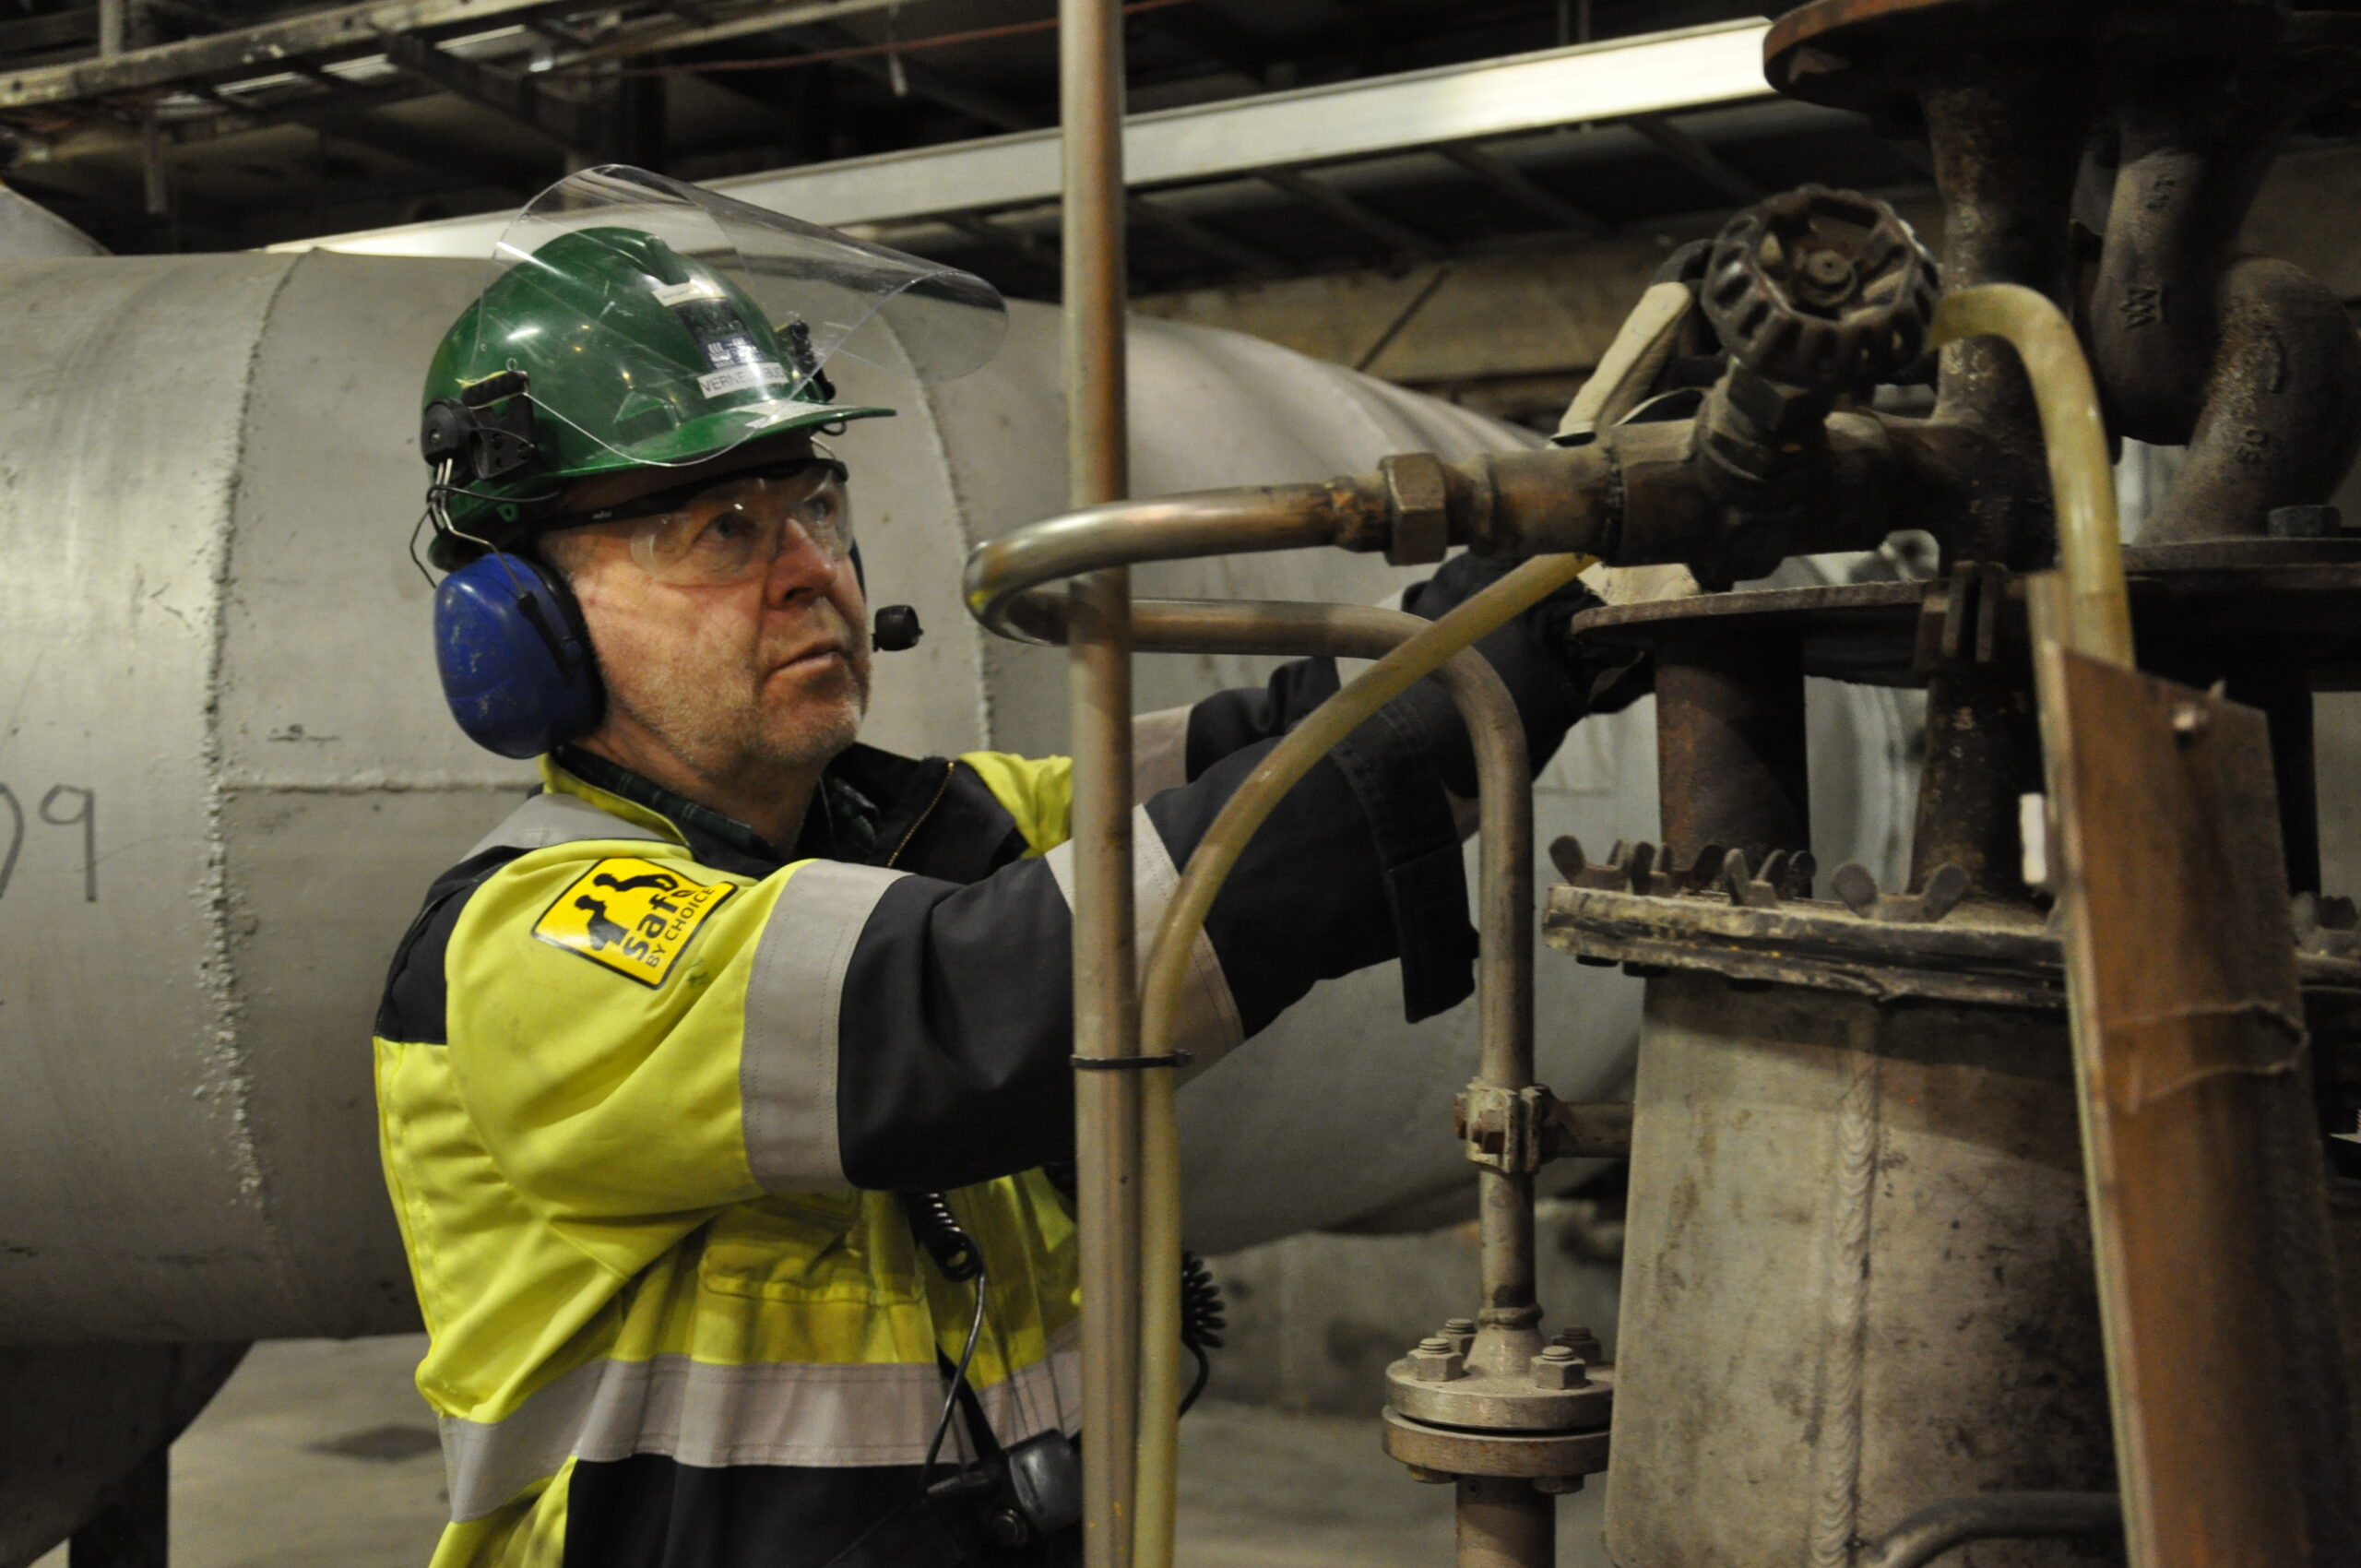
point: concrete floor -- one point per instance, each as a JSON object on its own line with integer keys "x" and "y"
{"x": 320, "y": 1454}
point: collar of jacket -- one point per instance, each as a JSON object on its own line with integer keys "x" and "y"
{"x": 841, "y": 826}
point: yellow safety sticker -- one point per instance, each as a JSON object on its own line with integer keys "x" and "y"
{"x": 633, "y": 916}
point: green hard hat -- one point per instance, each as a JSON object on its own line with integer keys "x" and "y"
{"x": 606, "y": 350}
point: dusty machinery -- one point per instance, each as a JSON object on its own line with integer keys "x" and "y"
{"x": 2007, "y": 1205}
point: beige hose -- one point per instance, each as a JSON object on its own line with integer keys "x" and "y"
{"x": 1166, "y": 971}
{"x": 2090, "y": 551}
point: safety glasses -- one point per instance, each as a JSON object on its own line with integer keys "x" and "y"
{"x": 737, "y": 529}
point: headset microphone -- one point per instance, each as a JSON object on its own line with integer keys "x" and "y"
{"x": 897, "y": 628}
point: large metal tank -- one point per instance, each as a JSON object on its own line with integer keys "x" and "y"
{"x": 227, "y": 776}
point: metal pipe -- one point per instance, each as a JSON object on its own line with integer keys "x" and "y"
{"x": 1994, "y": 1516}
{"x": 1730, "y": 755}
{"x": 1504, "y": 1523}
{"x": 2193, "y": 156}
{"x": 1504, "y": 985}
{"x": 1508, "y": 1334}
{"x": 2281, "y": 416}
{"x": 2007, "y": 133}
{"x": 1213, "y": 522}
{"x": 2089, "y": 554}
{"x": 1090, "y": 50}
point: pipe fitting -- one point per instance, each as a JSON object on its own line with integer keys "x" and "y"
{"x": 1417, "y": 504}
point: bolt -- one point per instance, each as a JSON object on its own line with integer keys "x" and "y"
{"x": 2189, "y": 719}
{"x": 1424, "y": 1477}
{"x": 1582, "y": 1342}
{"x": 1556, "y": 1486}
{"x": 1435, "y": 1361}
{"x": 1558, "y": 1367}
{"x": 1460, "y": 1331}
{"x": 1827, "y": 275}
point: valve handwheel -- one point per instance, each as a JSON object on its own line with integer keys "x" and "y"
{"x": 1821, "y": 288}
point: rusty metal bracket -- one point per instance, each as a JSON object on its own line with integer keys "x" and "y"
{"x": 1506, "y": 1130}
{"x": 1968, "y": 619}
{"x": 1653, "y": 872}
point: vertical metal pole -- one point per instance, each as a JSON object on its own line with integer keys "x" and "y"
{"x": 111, "y": 26}
{"x": 1107, "y": 1105}
{"x": 154, "y": 176}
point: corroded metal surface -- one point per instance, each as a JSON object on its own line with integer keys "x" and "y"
{"x": 1983, "y": 955}
{"x": 1856, "y": 1277}
{"x": 1515, "y": 1401}
{"x": 1532, "y": 1455}
{"x": 1999, "y": 955}
{"x": 2208, "y": 1214}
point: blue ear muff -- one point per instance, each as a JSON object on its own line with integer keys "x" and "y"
{"x": 516, "y": 662}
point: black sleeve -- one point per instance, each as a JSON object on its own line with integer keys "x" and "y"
{"x": 957, "y": 1013}
{"x": 1229, "y": 721}
{"x": 412, "y": 1010}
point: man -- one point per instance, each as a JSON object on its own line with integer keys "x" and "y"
{"x": 668, "y": 1061}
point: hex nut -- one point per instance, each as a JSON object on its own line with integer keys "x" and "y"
{"x": 1558, "y": 1367}
{"x": 1418, "y": 502}
{"x": 1435, "y": 1361}
{"x": 1779, "y": 412}
{"x": 1578, "y": 1338}
{"x": 1460, "y": 1331}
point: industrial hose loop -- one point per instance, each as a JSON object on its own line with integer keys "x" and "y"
{"x": 1166, "y": 971}
{"x": 2090, "y": 549}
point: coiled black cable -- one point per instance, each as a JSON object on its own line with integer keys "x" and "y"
{"x": 1203, "y": 1319}
{"x": 937, "y": 1229}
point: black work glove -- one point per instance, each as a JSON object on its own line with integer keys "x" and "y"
{"x": 1554, "y": 681}
{"x": 1400, "y": 763}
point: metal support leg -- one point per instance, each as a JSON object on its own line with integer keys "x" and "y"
{"x": 1982, "y": 753}
{"x": 132, "y": 1529}
{"x": 1731, "y": 747}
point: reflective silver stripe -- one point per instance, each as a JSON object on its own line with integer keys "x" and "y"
{"x": 547, "y": 819}
{"x": 825, "y": 1416}
{"x": 787, "y": 1069}
{"x": 1207, "y": 1025}
{"x": 1159, "y": 752}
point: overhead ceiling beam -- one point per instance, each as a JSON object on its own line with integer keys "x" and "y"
{"x": 346, "y": 117}
{"x": 1490, "y": 99}
{"x": 511, "y": 94}
{"x": 1190, "y": 232}
{"x": 1397, "y": 237}
{"x": 343, "y": 31}
{"x": 1213, "y": 36}
{"x": 1698, "y": 159}
{"x": 54, "y": 29}
{"x": 925, "y": 81}
{"x": 1527, "y": 192}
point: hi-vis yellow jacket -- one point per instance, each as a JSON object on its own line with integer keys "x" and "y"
{"x": 648, "y": 1086}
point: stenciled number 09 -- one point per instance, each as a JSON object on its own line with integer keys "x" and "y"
{"x": 66, "y": 805}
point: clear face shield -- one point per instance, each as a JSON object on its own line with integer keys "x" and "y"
{"x": 666, "y": 324}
